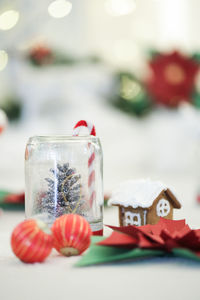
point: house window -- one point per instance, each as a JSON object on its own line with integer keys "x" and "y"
{"x": 163, "y": 208}
{"x": 132, "y": 218}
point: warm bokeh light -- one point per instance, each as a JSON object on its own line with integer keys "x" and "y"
{"x": 59, "y": 8}
{"x": 3, "y": 59}
{"x": 8, "y": 19}
{"x": 119, "y": 7}
{"x": 129, "y": 89}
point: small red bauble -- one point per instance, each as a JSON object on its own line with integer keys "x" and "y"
{"x": 71, "y": 234}
{"x": 30, "y": 241}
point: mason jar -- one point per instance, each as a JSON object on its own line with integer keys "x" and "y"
{"x": 64, "y": 175}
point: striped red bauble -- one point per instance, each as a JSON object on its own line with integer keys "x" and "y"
{"x": 71, "y": 234}
{"x": 31, "y": 241}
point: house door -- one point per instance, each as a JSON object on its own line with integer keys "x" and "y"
{"x": 132, "y": 219}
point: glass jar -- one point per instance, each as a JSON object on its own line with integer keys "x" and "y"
{"x": 64, "y": 174}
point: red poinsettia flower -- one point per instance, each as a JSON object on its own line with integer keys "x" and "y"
{"x": 165, "y": 235}
{"x": 172, "y": 78}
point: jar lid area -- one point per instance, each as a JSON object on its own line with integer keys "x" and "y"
{"x": 60, "y": 138}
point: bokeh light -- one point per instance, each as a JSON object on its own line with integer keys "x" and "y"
{"x": 59, "y": 8}
{"x": 129, "y": 89}
{"x": 119, "y": 7}
{"x": 8, "y": 19}
{"x": 3, "y": 59}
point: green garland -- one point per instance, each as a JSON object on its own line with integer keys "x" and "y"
{"x": 130, "y": 95}
{"x": 12, "y": 107}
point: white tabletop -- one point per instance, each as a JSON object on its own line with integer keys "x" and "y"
{"x": 57, "y": 278}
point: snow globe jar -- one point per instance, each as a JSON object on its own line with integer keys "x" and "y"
{"x": 63, "y": 175}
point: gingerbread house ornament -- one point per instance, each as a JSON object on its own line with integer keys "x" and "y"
{"x": 143, "y": 202}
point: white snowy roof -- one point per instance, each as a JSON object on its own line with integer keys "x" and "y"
{"x": 137, "y": 193}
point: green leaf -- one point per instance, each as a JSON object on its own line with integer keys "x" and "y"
{"x": 185, "y": 253}
{"x": 196, "y": 56}
{"x": 196, "y": 99}
{"x": 12, "y": 206}
{"x": 9, "y": 206}
{"x": 102, "y": 254}
{"x": 3, "y": 194}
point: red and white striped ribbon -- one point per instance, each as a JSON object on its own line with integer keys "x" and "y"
{"x": 78, "y": 129}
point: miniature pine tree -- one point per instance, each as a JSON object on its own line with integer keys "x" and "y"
{"x": 64, "y": 192}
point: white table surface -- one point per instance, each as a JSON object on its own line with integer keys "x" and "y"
{"x": 57, "y": 278}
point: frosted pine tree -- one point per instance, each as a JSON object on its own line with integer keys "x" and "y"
{"x": 64, "y": 192}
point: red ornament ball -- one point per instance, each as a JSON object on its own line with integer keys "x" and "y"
{"x": 31, "y": 242}
{"x": 71, "y": 234}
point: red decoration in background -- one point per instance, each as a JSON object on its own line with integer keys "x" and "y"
{"x": 198, "y": 198}
{"x": 165, "y": 235}
{"x": 172, "y": 79}
{"x": 15, "y": 198}
{"x": 41, "y": 55}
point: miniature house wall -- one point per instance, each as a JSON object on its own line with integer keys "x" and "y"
{"x": 143, "y": 202}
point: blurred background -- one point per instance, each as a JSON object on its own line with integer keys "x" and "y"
{"x": 129, "y": 66}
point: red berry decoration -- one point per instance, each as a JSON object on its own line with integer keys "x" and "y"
{"x": 31, "y": 242}
{"x": 71, "y": 234}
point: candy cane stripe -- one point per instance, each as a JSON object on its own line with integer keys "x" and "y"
{"x": 91, "y": 178}
{"x": 90, "y": 169}
{"x": 78, "y": 130}
{"x": 92, "y": 197}
{"x": 91, "y": 159}
{"x": 93, "y": 131}
{"x": 81, "y": 123}
{"x": 80, "y": 126}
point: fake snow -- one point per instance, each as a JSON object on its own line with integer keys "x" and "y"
{"x": 137, "y": 193}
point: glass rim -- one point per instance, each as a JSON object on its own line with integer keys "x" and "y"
{"x": 60, "y": 138}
